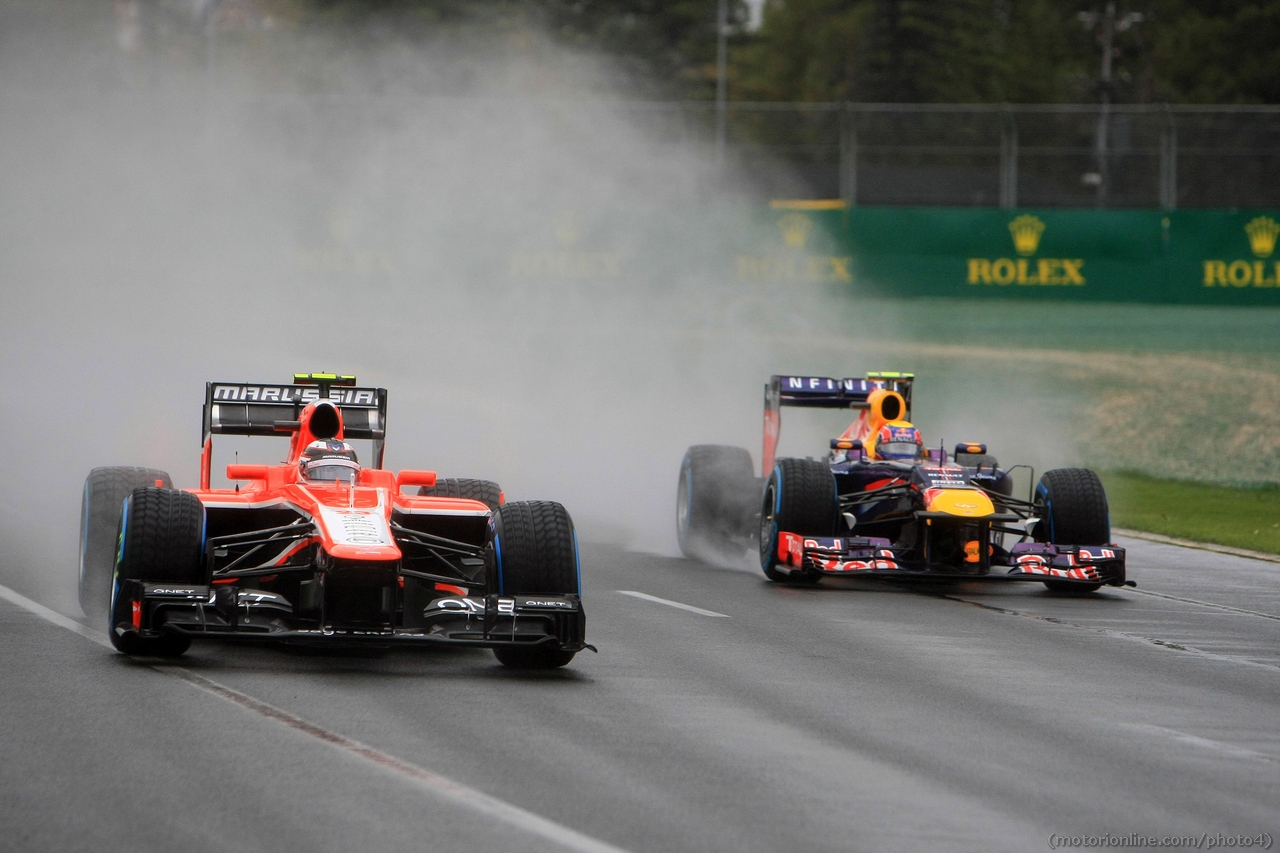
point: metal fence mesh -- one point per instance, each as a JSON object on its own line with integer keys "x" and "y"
{"x": 1027, "y": 155}
{"x": 985, "y": 155}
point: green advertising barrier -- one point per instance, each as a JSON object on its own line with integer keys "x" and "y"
{"x": 1203, "y": 257}
{"x": 1190, "y": 257}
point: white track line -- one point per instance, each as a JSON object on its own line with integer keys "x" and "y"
{"x": 1228, "y": 608}
{"x": 53, "y": 616}
{"x": 669, "y": 603}
{"x": 441, "y": 786}
{"x": 1202, "y": 742}
{"x": 1200, "y": 546}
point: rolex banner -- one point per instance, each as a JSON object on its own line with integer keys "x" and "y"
{"x": 1204, "y": 257}
{"x": 1208, "y": 257}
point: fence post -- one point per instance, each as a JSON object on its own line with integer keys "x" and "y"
{"x": 1008, "y": 160}
{"x": 722, "y": 80}
{"x": 849, "y": 155}
{"x": 1168, "y": 162}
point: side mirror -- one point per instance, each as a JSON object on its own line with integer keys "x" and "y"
{"x": 971, "y": 447}
{"x": 848, "y": 445}
{"x": 415, "y": 478}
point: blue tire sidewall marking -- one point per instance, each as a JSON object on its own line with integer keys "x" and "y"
{"x": 1048, "y": 505}
{"x": 835, "y": 503}
{"x": 124, "y": 530}
{"x": 497, "y": 558}
{"x": 767, "y": 558}
{"x": 204, "y": 534}
{"x": 115, "y": 576}
{"x": 84, "y": 530}
{"x": 111, "y": 608}
{"x": 687, "y": 516}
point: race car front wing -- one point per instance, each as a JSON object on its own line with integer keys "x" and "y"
{"x": 864, "y": 556}
{"x": 230, "y": 613}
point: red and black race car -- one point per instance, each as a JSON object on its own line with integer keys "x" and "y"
{"x": 882, "y": 505}
{"x": 319, "y": 550}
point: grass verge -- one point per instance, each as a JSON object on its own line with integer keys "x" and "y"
{"x": 1240, "y": 517}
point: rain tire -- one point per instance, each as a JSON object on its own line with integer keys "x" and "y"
{"x": 161, "y": 540}
{"x": 533, "y": 550}
{"x": 799, "y": 497}
{"x": 716, "y": 499}
{"x": 104, "y": 492}
{"x": 1072, "y": 505}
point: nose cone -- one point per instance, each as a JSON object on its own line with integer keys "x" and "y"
{"x": 966, "y": 503}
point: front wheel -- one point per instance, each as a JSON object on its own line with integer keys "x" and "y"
{"x": 799, "y": 497}
{"x": 1072, "y": 505}
{"x": 533, "y": 550}
{"x": 104, "y": 492}
{"x": 161, "y": 539}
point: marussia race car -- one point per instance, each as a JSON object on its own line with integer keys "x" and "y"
{"x": 864, "y": 513}
{"x": 318, "y": 550}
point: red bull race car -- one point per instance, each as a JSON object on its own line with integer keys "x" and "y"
{"x": 319, "y": 550}
{"x": 882, "y": 505}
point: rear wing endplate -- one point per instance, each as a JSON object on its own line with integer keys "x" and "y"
{"x": 821, "y": 392}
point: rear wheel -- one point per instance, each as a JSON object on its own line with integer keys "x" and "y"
{"x": 487, "y": 492}
{"x": 715, "y": 499}
{"x": 160, "y": 541}
{"x": 104, "y": 492}
{"x": 799, "y": 497}
{"x": 534, "y": 551}
{"x": 1072, "y": 505}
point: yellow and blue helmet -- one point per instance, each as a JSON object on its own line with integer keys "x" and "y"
{"x": 898, "y": 440}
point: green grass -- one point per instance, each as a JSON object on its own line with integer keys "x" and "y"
{"x": 1082, "y": 326}
{"x": 1241, "y": 517}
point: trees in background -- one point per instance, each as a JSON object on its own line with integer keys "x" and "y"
{"x": 945, "y": 51}
{"x": 949, "y": 51}
{"x": 957, "y": 51}
{"x": 1217, "y": 51}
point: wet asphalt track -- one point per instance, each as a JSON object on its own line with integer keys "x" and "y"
{"x": 859, "y": 718}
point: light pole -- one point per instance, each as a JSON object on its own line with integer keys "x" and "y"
{"x": 1111, "y": 24}
{"x": 722, "y": 81}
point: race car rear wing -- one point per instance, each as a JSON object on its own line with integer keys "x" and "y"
{"x": 237, "y": 408}
{"x": 821, "y": 392}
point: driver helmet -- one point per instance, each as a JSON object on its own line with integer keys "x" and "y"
{"x": 328, "y": 461}
{"x": 899, "y": 440}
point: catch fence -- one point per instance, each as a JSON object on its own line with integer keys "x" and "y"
{"x": 897, "y": 155}
{"x": 1004, "y": 155}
